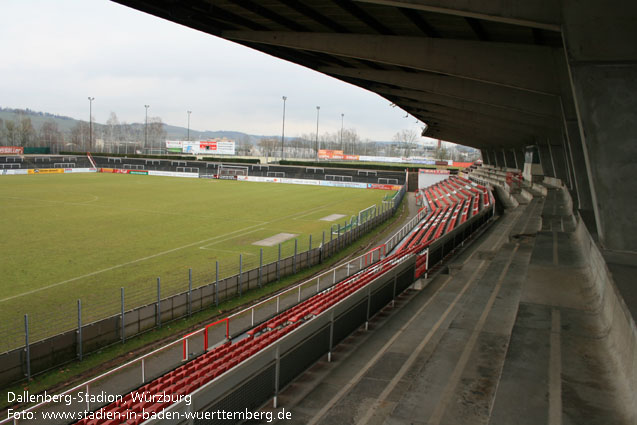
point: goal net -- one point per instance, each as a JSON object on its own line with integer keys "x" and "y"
{"x": 366, "y": 214}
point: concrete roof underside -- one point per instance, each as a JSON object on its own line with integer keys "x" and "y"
{"x": 489, "y": 77}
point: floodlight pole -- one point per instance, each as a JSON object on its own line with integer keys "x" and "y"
{"x": 90, "y": 122}
{"x": 189, "y": 112}
{"x": 145, "y": 128}
{"x": 283, "y": 131}
{"x": 318, "y": 108}
{"x": 342, "y": 115}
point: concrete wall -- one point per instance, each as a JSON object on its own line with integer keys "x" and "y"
{"x": 617, "y": 326}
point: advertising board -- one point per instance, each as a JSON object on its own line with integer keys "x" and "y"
{"x": 46, "y": 171}
{"x": 172, "y": 174}
{"x": 11, "y": 150}
{"x": 13, "y": 172}
{"x": 428, "y": 171}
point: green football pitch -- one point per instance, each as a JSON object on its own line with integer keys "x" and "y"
{"x": 84, "y": 236}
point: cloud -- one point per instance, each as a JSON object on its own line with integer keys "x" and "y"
{"x": 59, "y": 53}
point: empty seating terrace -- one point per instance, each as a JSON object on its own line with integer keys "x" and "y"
{"x": 43, "y": 161}
{"x": 204, "y": 168}
{"x": 521, "y": 327}
{"x": 258, "y": 170}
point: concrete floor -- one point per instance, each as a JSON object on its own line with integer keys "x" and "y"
{"x": 506, "y": 338}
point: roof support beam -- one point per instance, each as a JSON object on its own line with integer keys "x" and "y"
{"x": 523, "y": 67}
{"x": 541, "y": 14}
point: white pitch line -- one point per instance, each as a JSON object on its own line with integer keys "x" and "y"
{"x": 144, "y": 258}
{"x": 227, "y": 239}
{"x": 122, "y": 265}
{"x": 89, "y": 204}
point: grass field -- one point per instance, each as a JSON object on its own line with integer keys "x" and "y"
{"x": 83, "y": 236}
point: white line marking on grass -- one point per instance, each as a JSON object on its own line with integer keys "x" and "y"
{"x": 227, "y": 250}
{"x": 121, "y": 265}
{"x": 227, "y": 239}
{"x": 88, "y": 204}
{"x": 144, "y": 258}
{"x": 311, "y": 212}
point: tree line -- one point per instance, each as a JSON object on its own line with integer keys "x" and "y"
{"x": 114, "y": 136}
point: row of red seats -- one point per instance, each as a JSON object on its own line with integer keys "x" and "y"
{"x": 186, "y": 378}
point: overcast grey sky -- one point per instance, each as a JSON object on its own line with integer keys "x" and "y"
{"x": 56, "y": 53}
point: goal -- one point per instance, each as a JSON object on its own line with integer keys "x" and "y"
{"x": 232, "y": 170}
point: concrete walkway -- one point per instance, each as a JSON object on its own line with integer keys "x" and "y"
{"x": 505, "y": 338}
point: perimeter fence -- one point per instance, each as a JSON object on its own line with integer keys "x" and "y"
{"x": 38, "y": 342}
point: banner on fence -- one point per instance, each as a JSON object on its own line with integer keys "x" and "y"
{"x": 172, "y": 174}
{"x": 113, "y": 170}
{"x": 302, "y": 181}
{"x": 428, "y": 171}
{"x": 13, "y": 172}
{"x": 383, "y": 186}
{"x": 80, "y": 170}
{"x": 46, "y": 171}
{"x": 11, "y": 150}
{"x": 330, "y": 154}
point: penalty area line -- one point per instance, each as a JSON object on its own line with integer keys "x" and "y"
{"x": 123, "y": 264}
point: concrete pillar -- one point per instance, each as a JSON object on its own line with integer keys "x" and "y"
{"x": 558, "y": 159}
{"x": 545, "y": 160}
{"x": 485, "y": 156}
{"x": 504, "y": 158}
{"x": 578, "y": 164}
{"x": 499, "y": 158}
{"x": 569, "y": 168}
{"x": 603, "y": 72}
{"x": 519, "y": 158}
{"x": 509, "y": 158}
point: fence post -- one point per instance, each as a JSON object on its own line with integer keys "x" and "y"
{"x": 393, "y": 297}
{"x": 217, "y": 283}
{"x": 26, "y": 346}
{"x": 321, "y": 254}
{"x": 338, "y": 238}
{"x": 278, "y": 265}
{"x": 79, "y": 329}
{"x": 296, "y": 245}
{"x": 369, "y": 301}
{"x": 189, "y": 292}
{"x": 329, "y": 352}
{"x": 277, "y": 372}
{"x": 310, "y": 248}
{"x": 260, "y": 266}
{"x": 158, "y": 319}
{"x": 240, "y": 272}
{"x": 121, "y": 290}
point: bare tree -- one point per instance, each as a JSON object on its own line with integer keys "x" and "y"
{"x": 156, "y": 132}
{"x": 79, "y": 135}
{"x": 50, "y": 135}
{"x": 11, "y": 127}
{"x": 26, "y": 132}
{"x": 406, "y": 139}
{"x": 442, "y": 153}
{"x": 268, "y": 146}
